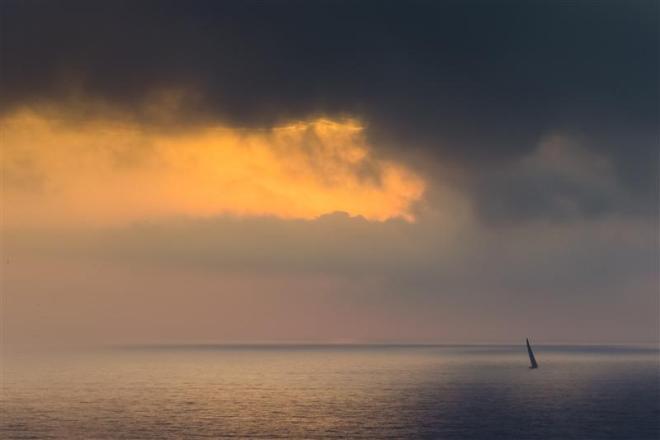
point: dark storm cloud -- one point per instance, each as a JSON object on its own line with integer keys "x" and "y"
{"x": 568, "y": 177}
{"x": 476, "y": 84}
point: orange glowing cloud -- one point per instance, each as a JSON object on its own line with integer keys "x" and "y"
{"x": 103, "y": 170}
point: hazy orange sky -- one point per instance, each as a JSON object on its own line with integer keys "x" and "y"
{"x": 62, "y": 169}
{"x": 118, "y": 230}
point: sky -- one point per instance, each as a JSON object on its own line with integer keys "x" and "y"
{"x": 329, "y": 171}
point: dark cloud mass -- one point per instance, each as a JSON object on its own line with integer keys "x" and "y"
{"x": 474, "y": 83}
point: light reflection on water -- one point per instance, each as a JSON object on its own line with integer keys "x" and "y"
{"x": 334, "y": 391}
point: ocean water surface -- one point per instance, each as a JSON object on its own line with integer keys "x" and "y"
{"x": 443, "y": 392}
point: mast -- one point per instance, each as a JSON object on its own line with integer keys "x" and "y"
{"x": 532, "y": 360}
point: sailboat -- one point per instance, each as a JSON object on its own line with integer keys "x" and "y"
{"x": 532, "y": 359}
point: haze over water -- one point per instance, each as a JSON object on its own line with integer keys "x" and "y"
{"x": 466, "y": 392}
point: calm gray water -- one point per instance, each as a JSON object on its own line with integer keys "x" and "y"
{"x": 466, "y": 392}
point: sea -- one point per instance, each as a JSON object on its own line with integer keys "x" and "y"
{"x": 333, "y": 391}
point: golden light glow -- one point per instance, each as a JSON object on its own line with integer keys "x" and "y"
{"x": 64, "y": 170}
